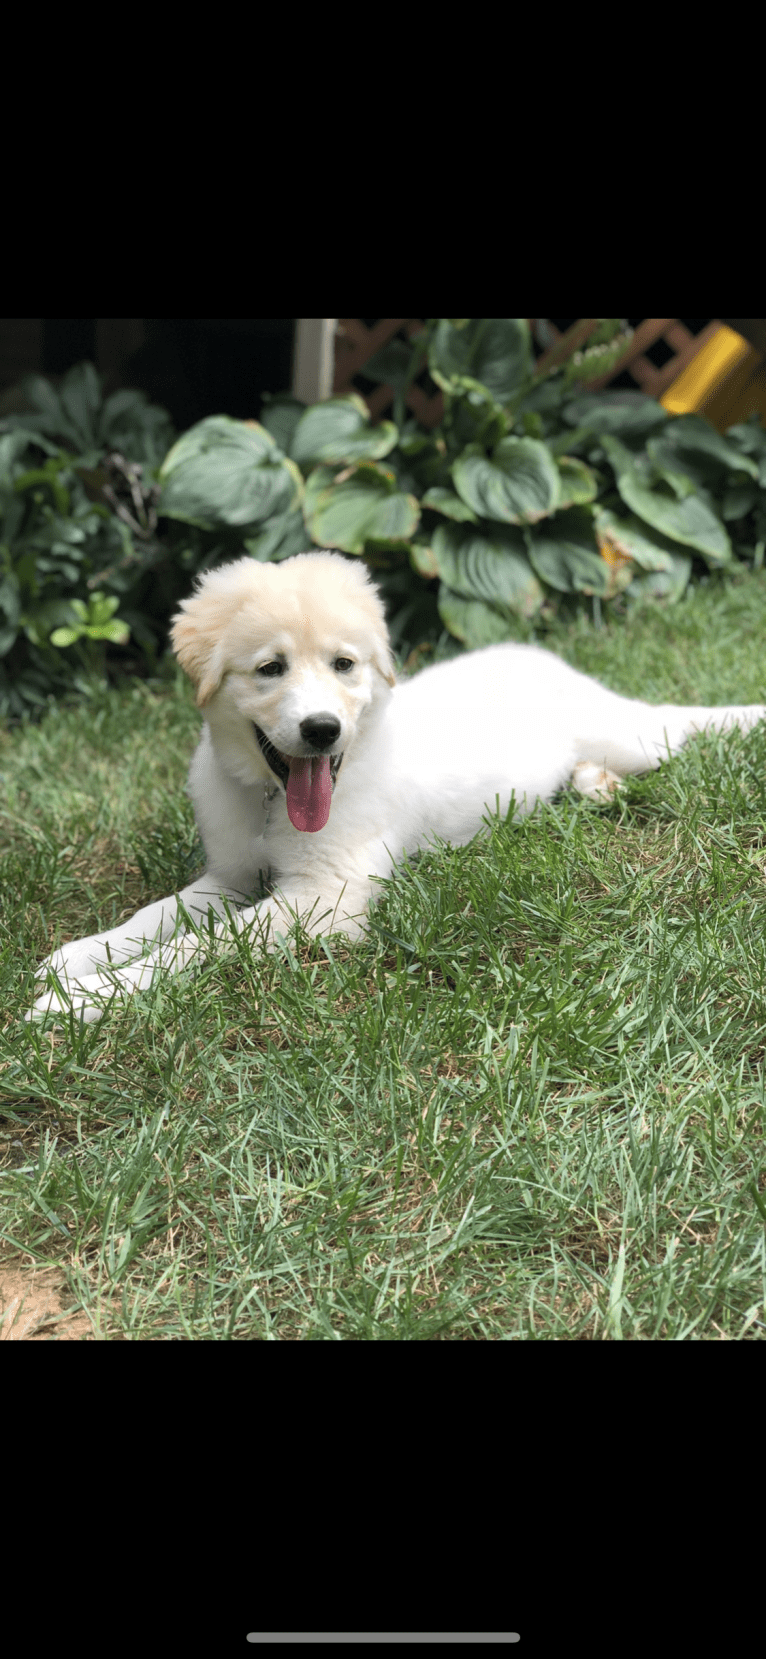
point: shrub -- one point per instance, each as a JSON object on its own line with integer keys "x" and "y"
{"x": 532, "y": 493}
{"x": 77, "y": 532}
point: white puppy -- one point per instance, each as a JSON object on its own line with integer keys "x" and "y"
{"x": 316, "y": 771}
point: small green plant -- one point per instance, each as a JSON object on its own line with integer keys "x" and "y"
{"x": 95, "y": 621}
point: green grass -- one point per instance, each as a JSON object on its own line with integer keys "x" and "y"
{"x": 530, "y": 1105}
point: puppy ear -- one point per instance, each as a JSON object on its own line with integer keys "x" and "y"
{"x": 384, "y": 664}
{"x": 200, "y": 654}
{"x": 383, "y": 659}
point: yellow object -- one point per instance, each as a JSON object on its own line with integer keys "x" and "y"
{"x": 725, "y": 382}
{"x": 613, "y": 556}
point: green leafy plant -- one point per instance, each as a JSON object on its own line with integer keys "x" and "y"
{"x": 532, "y": 493}
{"x": 78, "y": 533}
{"x": 531, "y": 496}
{"x": 94, "y": 621}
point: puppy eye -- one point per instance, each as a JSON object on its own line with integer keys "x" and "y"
{"x": 343, "y": 664}
{"x": 271, "y": 670}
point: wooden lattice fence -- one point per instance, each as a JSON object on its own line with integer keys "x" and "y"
{"x": 356, "y": 342}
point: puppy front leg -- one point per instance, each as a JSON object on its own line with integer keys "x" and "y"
{"x": 92, "y": 992}
{"x": 335, "y": 909}
{"x": 76, "y": 963}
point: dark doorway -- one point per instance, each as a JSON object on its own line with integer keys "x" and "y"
{"x": 211, "y": 365}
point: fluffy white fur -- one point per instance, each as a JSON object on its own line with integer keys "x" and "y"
{"x": 279, "y": 645}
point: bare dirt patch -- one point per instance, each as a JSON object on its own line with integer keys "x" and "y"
{"x": 33, "y": 1307}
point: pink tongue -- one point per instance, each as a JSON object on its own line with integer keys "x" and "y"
{"x": 309, "y": 792}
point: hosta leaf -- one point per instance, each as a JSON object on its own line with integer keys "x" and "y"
{"x": 226, "y": 471}
{"x": 519, "y": 485}
{"x": 472, "y": 621}
{"x": 578, "y": 482}
{"x": 690, "y": 521}
{"x": 280, "y": 416}
{"x": 360, "y": 506}
{"x": 488, "y": 564}
{"x": 495, "y": 351}
{"x": 749, "y": 438}
{"x": 691, "y": 439}
{"x": 280, "y": 538}
{"x": 423, "y": 560}
{"x": 663, "y": 584}
{"x": 564, "y": 554}
{"x": 738, "y": 500}
{"x": 630, "y": 414}
{"x": 340, "y": 430}
{"x": 630, "y": 538}
{"x": 319, "y": 480}
{"x": 445, "y": 501}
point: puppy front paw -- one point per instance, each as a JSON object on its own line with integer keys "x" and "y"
{"x": 77, "y": 957}
{"x": 73, "y": 997}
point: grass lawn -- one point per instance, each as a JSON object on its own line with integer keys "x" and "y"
{"x": 529, "y": 1105}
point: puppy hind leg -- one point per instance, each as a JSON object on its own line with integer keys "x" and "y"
{"x": 637, "y": 737}
{"x": 596, "y": 783}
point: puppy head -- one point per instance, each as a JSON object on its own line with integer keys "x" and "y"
{"x": 240, "y": 605}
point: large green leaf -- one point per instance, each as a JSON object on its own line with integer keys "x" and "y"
{"x": 631, "y": 414}
{"x": 631, "y": 538}
{"x": 472, "y": 620}
{"x": 542, "y": 398}
{"x": 445, "y": 501}
{"x": 663, "y": 584}
{"x": 692, "y": 434}
{"x": 495, "y": 351}
{"x": 579, "y": 483}
{"x": 226, "y": 471}
{"x": 280, "y": 415}
{"x": 483, "y": 564}
{"x": 749, "y": 438}
{"x": 363, "y": 505}
{"x": 473, "y": 417}
{"x": 564, "y": 554}
{"x": 690, "y": 520}
{"x": 691, "y": 445}
{"x": 739, "y": 499}
{"x": 280, "y": 538}
{"x": 340, "y": 430}
{"x": 519, "y": 485}
{"x": 319, "y": 480}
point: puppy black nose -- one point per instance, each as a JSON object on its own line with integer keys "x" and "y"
{"x": 320, "y": 730}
